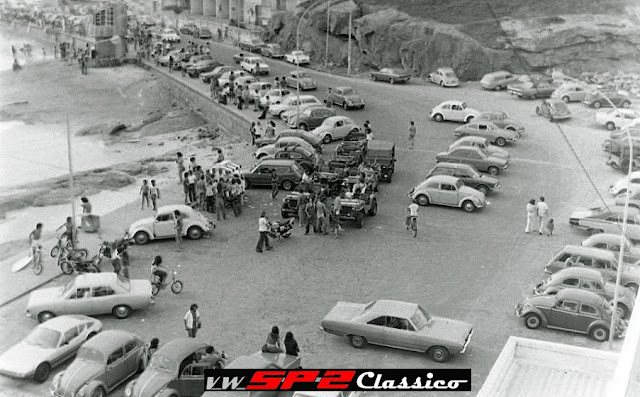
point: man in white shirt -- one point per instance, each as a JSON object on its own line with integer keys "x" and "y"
{"x": 192, "y": 321}
{"x": 413, "y": 213}
{"x": 543, "y": 214}
{"x": 263, "y": 228}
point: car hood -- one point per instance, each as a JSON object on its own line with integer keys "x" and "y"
{"x": 583, "y": 213}
{"x": 497, "y": 160}
{"x": 446, "y": 329}
{"x": 24, "y": 358}
{"x": 77, "y": 374}
{"x": 151, "y": 382}
{"x": 306, "y": 80}
{"x": 541, "y": 301}
{"x": 44, "y": 295}
{"x": 140, "y": 223}
{"x": 489, "y": 179}
{"x": 623, "y": 292}
{"x": 354, "y": 98}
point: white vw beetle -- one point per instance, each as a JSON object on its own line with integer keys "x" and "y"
{"x": 194, "y": 224}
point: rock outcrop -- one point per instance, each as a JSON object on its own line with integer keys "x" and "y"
{"x": 387, "y": 37}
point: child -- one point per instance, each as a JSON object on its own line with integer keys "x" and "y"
{"x": 550, "y": 226}
{"x": 144, "y": 191}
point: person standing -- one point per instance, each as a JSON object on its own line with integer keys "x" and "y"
{"x": 252, "y": 131}
{"x": 412, "y": 134}
{"x": 177, "y": 226}
{"x": 328, "y": 98}
{"x": 263, "y": 228}
{"x": 144, "y": 191}
{"x": 191, "y": 179}
{"x": 86, "y": 206}
{"x": 267, "y": 103}
{"x": 219, "y": 197}
{"x": 291, "y": 345}
{"x": 274, "y": 184}
{"x": 170, "y": 63}
{"x": 302, "y": 206}
{"x": 311, "y": 215}
{"x": 209, "y": 196}
{"x": 220, "y": 156}
{"x": 201, "y": 192}
{"x": 154, "y": 193}
{"x": 543, "y": 214}
{"x": 180, "y": 164}
{"x": 185, "y": 187}
{"x": 192, "y": 321}
{"x": 321, "y": 210}
{"x": 531, "y": 216}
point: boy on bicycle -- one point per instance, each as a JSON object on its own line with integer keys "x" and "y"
{"x": 413, "y": 213}
{"x": 35, "y": 239}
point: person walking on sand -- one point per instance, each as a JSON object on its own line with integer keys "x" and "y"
{"x": 263, "y": 229}
{"x": 192, "y": 321}
{"x": 531, "y": 216}
{"x": 154, "y": 193}
{"x": 543, "y": 214}
{"x": 144, "y": 191}
{"x": 412, "y": 134}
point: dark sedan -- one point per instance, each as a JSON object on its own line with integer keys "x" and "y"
{"x": 474, "y": 156}
{"x": 532, "y": 89}
{"x": 392, "y": 75}
{"x": 252, "y": 45}
{"x": 216, "y": 73}
{"x": 203, "y": 66}
{"x": 312, "y": 139}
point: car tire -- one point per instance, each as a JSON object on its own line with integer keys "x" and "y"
{"x": 441, "y": 83}
{"x": 532, "y": 321}
{"x": 42, "y": 372}
{"x": 247, "y": 184}
{"x": 610, "y": 126}
{"x": 597, "y": 105}
{"x": 468, "y": 206}
{"x": 359, "y": 221}
{"x": 327, "y": 139}
{"x": 623, "y": 311}
{"x": 359, "y": 342}
{"x": 141, "y": 238}
{"x": 438, "y": 117}
{"x": 140, "y": 367}
{"x": 422, "y": 200}
{"x": 566, "y": 99}
{"x": 439, "y": 354}
{"x": 392, "y": 80}
{"x": 304, "y": 126}
{"x": 195, "y": 233}
{"x": 45, "y": 316}
{"x": 500, "y": 141}
{"x": 633, "y": 286}
{"x": 121, "y": 312}
{"x": 493, "y": 170}
{"x": 484, "y": 189}
{"x": 538, "y": 111}
{"x": 98, "y": 392}
{"x": 498, "y": 88}
{"x": 374, "y": 208}
{"x": 91, "y": 335}
{"x": 599, "y": 333}
{"x": 468, "y": 119}
{"x": 626, "y": 104}
{"x": 287, "y": 184}
{"x": 373, "y": 77}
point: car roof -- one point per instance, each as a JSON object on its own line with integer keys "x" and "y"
{"x": 62, "y": 323}
{"x": 336, "y": 118}
{"x": 453, "y": 165}
{"x": 610, "y": 238}
{"x": 589, "y": 251}
{"x": 473, "y": 138}
{"x": 95, "y": 279}
{"x": 180, "y": 347}
{"x": 451, "y": 102}
{"x": 165, "y": 209}
{"x": 345, "y": 87}
{"x": 498, "y": 73}
{"x": 580, "y": 295}
{"x": 618, "y": 209}
{"x": 261, "y": 360}
{"x": 579, "y": 271}
{"x": 443, "y": 179}
{"x": 554, "y": 101}
{"x": 270, "y": 161}
{"x": 445, "y": 69}
{"x": 390, "y": 307}
{"x": 107, "y": 341}
{"x": 493, "y": 113}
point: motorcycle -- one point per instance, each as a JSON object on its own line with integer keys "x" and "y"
{"x": 282, "y": 228}
{"x": 70, "y": 264}
{"x": 156, "y": 286}
{"x": 120, "y": 247}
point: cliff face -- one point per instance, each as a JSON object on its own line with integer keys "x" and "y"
{"x": 387, "y": 37}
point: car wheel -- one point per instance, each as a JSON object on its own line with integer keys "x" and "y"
{"x": 121, "y": 311}
{"x": 622, "y": 311}
{"x": 359, "y": 342}
{"x": 439, "y": 354}
{"x": 498, "y": 88}
{"x": 140, "y": 366}
{"x": 45, "y": 316}
{"x": 359, "y": 220}
{"x": 468, "y": 206}
{"x": 327, "y": 139}
{"x": 468, "y": 119}
{"x": 392, "y": 80}
{"x": 438, "y": 117}
{"x": 600, "y": 333}
{"x": 597, "y": 104}
{"x": 441, "y": 83}
{"x": 261, "y": 155}
{"x": 247, "y": 183}
{"x": 610, "y": 126}
{"x": 422, "y": 200}
{"x": 501, "y": 141}
{"x": 626, "y": 104}
{"x": 484, "y": 189}
{"x": 538, "y": 111}
{"x": 141, "y": 238}
{"x": 493, "y": 170}
{"x": 304, "y": 126}
{"x": 634, "y": 287}
{"x": 91, "y": 335}
{"x": 42, "y": 372}
{"x": 566, "y": 99}
{"x": 194, "y": 233}
{"x": 532, "y": 321}
{"x": 287, "y": 184}
{"x": 374, "y": 208}
{"x": 99, "y": 392}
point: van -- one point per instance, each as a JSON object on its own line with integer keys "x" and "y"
{"x": 497, "y": 80}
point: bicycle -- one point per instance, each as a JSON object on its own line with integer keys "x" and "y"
{"x": 413, "y": 225}
{"x": 67, "y": 246}
{"x": 37, "y": 265}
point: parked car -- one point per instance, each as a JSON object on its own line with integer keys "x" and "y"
{"x": 49, "y": 345}
{"x": 400, "y": 325}
{"x": 102, "y": 364}
{"x": 291, "y": 102}
{"x": 297, "y": 57}
{"x": 169, "y": 35}
{"x": 188, "y": 28}
{"x": 599, "y": 98}
{"x": 606, "y": 262}
{"x": 203, "y": 33}
{"x": 346, "y": 97}
{"x": 487, "y": 129}
{"x": 173, "y": 371}
{"x": 307, "y": 136}
{"x": 619, "y": 137}
{"x": 571, "y": 92}
{"x": 571, "y": 310}
{"x": 305, "y": 158}
{"x": 203, "y": 66}
{"x": 275, "y": 96}
{"x": 453, "y": 111}
{"x": 611, "y": 242}
{"x": 310, "y": 118}
{"x": 244, "y": 80}
{"x": 468, "y": 174}
{"x": 237, "y": 58}
{"x": 164, "y": 59}
{"x": 195, "y": 59}
{"x": 159, "y": 226}
{"x": 262, "y": 87}
{"x": 254, "y": 65}
{"x": 180, "y": 59}
{"x": 553, "y": 109}
{"x": 482, "y": 143}
{"x": 475, "y": 157}
{"x": 629, "y": 182}
{"x": 280, "y": 144}
{"x": 588, "y": 280}
{"x": 335, "y": 127}
{"x": 445, "y": 77}
{"x": 497, "y": 80}
{"x": 225, "y": 77}
{"x": 392, "y": 75}
{"x": 607, "y": 220}
{"x": 91, "y": 293}
{"x": 251, "y": 45}
{"x": 634, "y": 199}
{"x": 501, "y": 120}
{"x": 449, "y": 191}
{"x": 532, "y": 89}
{"x": 301, "y": 77}
{"x": 289, "y": 173}
{"x": 293, "y": 112}
{"x": 272, "y": 50}
{"x": 216, "y": 73}
{"x": 617, "y": 118}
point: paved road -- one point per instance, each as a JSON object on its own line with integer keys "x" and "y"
{"x": 472, "y": 267}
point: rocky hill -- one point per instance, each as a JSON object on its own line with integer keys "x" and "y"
{"x": 473, "y": 37}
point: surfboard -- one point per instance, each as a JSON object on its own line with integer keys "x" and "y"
{"x": 21, "y": 264}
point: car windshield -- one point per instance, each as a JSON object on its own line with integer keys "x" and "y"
{"x": 43, "y": 337}
{"x": 89, "y": 354}
{"x": 459, "y": 184}
{"x": 349, "y": 91}
{"x": 162, "y": 363}
{"x": 69, "y": 287}
{"x": 561, "y": 106}
{"x": 396, "y": 71}
{"x": 463, "y": 105}
{"x": 450, "y": 74}
{"x": 420, "y": 319}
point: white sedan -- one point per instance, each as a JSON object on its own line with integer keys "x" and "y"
{"x": 254, "y": 65}
{"x": 453, "y": 111}
{"x": 297, "y": 57}
{"x": 335, "y": 127}
{"x": 170, "y": 35}
{"x": 275, "y": 96}
{"x": 617, "y": 118}
{"x": 194, "y": 224}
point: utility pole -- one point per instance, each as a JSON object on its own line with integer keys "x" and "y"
{"x": 71, "y": 195}
{"x": 326, "y": 49}
{"x": 238, "y": 5}
{"x": 349, "y": 47}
